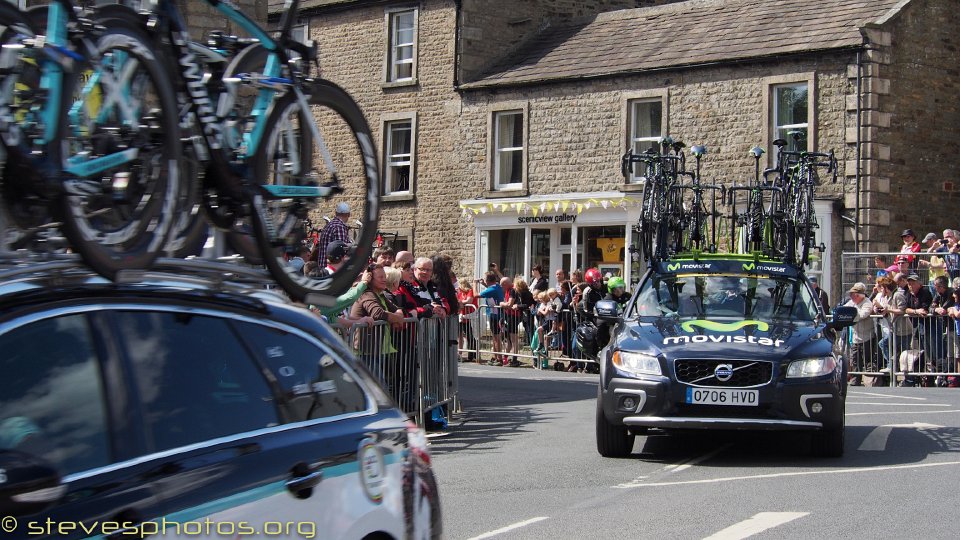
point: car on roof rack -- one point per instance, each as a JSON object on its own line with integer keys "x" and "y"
{"x": 724, "y": 342}
{"x": 190, "y": 400}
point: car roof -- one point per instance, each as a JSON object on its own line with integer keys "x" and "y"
{"x": 28, "y": 281}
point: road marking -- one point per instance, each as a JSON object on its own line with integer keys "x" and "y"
{"x": 888, "y": 396}
{"x": 788, "y": 474}
{"x": 888, "y": 404}
{"x": 888, "y": 413}
{"x": 756, "y": 525}
{"x": 677, "y": 467}
{"x": 509, "y": 528}
{"x": 876, "y": 441}
{"x": 694, "y": 461}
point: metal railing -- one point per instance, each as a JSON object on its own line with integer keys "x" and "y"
{"x": 926, "y": 356}
{"x": 497, "y": 336}
{"x": 415, "y": 362}
{"x": 862, "y": 267}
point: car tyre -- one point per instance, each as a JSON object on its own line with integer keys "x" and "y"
{"x": 828, "y": 442}
{"x": 612, "y": 441}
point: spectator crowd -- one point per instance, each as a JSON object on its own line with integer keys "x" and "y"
{"x": 908, "y": 323}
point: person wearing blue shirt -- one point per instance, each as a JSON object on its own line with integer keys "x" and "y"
{"x": 492, "y": 296}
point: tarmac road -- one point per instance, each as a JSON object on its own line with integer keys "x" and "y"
{"x": 521, "y": 462}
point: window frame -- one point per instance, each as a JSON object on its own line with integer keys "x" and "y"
{"x": 630, "y": 100}
{"x": 770, "y": 86}
{"x": 387, "y": 121}
{"x": 390, "y": 16}
{"x": 494, "y": 151}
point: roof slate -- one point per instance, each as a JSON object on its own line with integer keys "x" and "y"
{"x": 687, "y": 33}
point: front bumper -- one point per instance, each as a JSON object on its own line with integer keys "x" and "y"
{"x": 659, "y": 402}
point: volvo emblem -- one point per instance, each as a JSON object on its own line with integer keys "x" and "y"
{"x": 723, "y": 372}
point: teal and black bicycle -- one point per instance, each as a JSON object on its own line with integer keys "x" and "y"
{"x": 89, "y": 136}
{"x": 256, "y": 153}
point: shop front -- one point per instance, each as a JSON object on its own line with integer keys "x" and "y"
{"x": 570, "y": 231}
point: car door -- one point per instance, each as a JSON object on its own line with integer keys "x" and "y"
{"x": 61, "y": 402}
{"x": 364, "y": 487}
{"x": 226, "y": 457}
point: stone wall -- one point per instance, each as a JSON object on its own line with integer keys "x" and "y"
{"x": 352, "y": 46}
{"x": 916, "y": 118}
{"x": 577, "y": 130}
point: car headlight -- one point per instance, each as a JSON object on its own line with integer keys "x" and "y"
{"x": 637, "y": 362}
{"x": 811, "y": 367}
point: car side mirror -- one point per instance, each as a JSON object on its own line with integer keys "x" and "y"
{"x": 28, "y": 484}
{"x": 843, "y": 317}
{"x": 608, "y": 311}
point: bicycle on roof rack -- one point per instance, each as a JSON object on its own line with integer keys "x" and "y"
{"x": 258, "y": 183}
{"x": 661, "y": 167}
{"x": 696, "y": 222}
{"x": 89, "y": 146}
{"x": 777, "y": 221}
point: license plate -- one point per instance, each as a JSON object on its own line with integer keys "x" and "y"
{"x": 722, "y": 396}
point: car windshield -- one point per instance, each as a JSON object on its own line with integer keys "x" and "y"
{"x": 691, "y": 296}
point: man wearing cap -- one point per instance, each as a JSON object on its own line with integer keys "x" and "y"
{"x": 337, "y": 255}
{"x": 863, "y": 351}
{"x": 335, "y": 230}
{"x": 910, "y": 246}
{"x": 918, "y": 309}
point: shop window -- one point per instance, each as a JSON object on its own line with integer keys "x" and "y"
{"x": 506, "y": 248}
{"x": 402, "y": 46}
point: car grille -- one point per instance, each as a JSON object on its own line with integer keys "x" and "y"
{"x": 703, "y": 372}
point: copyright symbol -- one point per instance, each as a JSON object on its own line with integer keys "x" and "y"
{"x": 8, "y": 524}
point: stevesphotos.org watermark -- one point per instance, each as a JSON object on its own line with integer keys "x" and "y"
{"x": 205, "y": 527}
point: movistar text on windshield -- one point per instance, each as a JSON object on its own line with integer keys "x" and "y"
{"x": 723, "y": 339}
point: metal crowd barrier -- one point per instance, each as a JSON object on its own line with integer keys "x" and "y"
{"x": 862, "y": 267}
{"x": 416, "y": 363}
{"x": 491, "y": 328}
{"x": 927, "y": 356}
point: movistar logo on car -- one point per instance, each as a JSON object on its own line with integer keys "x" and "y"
{"x": 754, "y": 267}
{"x": 673, "y": 267}
{"x": 722, "y": 327}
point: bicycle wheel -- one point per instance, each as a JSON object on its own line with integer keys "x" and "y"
{"x": 189, "y": 231}
{"x": 278, "y": 223}
{"x": 237, "y": 121}
{"x": 805, "y": 226}
{"x": 121, "y": 144}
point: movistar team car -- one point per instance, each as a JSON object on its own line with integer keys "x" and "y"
{"x": 721, "y": 343}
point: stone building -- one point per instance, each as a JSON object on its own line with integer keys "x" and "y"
{"x": 501, "y": 124}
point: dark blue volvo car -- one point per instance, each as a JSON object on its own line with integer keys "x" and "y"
{"x": 192, "y": 402}
{"x": 721, "y": 343}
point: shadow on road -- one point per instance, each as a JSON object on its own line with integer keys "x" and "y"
{"x": 491, "y": 417}
{"x": 734, "y": 449}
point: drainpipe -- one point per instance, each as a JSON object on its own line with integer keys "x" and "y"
{"x": 456, "y": 45}
{"x": 856, "y": 211}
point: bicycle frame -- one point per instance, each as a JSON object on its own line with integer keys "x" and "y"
{"x": 202, "y": 111}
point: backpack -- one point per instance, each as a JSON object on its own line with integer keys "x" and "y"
{"x": 587, "y": 339}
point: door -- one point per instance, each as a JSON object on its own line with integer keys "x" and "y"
{"x": 59, "y": 396}
{"x": 234, "y": 450}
